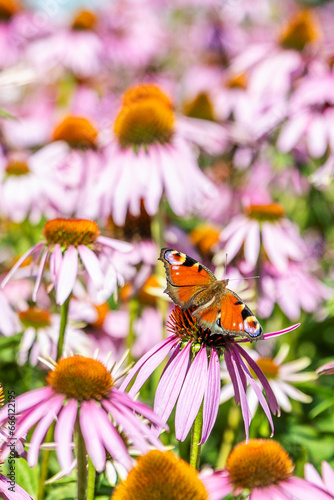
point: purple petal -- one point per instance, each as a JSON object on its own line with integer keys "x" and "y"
{"x": 28, "y": 420}
{"x": 191, "y": 395}
{"x": 217, "y": 484}
{"x": 92, "y": 265}
{"x": 158, "y": 354}
{"x": 255, "y": 387}
{"x": 138, "y": 407}
{"x": 91, "y": 432}
{"x": 110, "y": 437}
{"x": 133, "y": 426}
{"x": 171, "y": 381}
{"x": 262, "y": 378}
{"x": 211, "y": 396}
{"x": 27, "y": 254}
{"x": 27, "y": 401}
{"x": 67, "y": 275}
{"x": 230, "y": 369}
{"x": 39, "y": 433}
{"x": 328, "y": 476}
{"x": 252, "y": 243}
{"x": 246, "y": 414}
{"x": 120, "y": 246}
{"x": 303, "y": 490}
{"x": 64, "y": 434}
{"x": 40, "y": 273}
{"x": 56, "y": 259}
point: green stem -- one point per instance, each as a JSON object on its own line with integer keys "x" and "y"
{"x": 91, "y": 480}
{"x": 81, "y": 464}
{"x": 196, "y": 433}
{"x": 44, "y": 465}
{"x": 63, "y": 322}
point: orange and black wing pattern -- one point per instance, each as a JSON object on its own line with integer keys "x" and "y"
{"x": 186, "y": 278}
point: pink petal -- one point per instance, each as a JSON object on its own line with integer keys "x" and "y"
{"x": 67, "y": 275}
{"x": 191, "y": 395}
{"x": 252, "y": 243}
{"x": 145, "y": 366}
{"x": 217, "y": 484}
{"x": 317, "y": 137}
{"x": 27, "y": 401}
{"x": 110, "y": 437}
{"x": 291, "y": 133}
{"x": 211, "y": 396}
{"x": 303, "y": 490}
{"x": 235, "y": 243}
{"x": 270, "y": 492}
{"x": 272, "y": 244}
{"x": 171, "y": 381}
{"x": 119, "y": 246}
{"x": 137, "y": 406}
{"x": 241, "y": 392}
{"x": 91, "y": 430}
{"x": 40, "y": 273}
{"x": 27, "y": 254}
{"x": 262, "y": 378}
{"x": 54, "y": 406}
{"x": 92, "y": 265}
{"x": 64, "y": 434}
{"x": 56, "y": 259}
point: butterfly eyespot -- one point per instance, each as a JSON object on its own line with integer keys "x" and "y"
{"x": 219, "y": 323}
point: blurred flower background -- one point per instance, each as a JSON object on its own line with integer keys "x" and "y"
{"x": 131, "y": 125}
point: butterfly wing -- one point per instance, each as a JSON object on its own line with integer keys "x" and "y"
{"x": 187, "y": 279}
{"x": 229, "y": 315}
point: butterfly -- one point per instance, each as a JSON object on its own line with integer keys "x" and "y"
{"x": 190, "y": 284}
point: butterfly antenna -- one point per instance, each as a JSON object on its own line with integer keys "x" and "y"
{"x": 248, "y": 278}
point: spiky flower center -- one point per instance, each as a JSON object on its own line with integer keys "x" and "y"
{"x": 200, "y": 107}
{"x": 302, "y": 29}
{"x": 84, "y": 20}
{"x": 77, "y": 131}
{"x": 185, "y": 326}
{"x": 258, "y": 464}
{"x": 8, "y": 9}
{"x": 268, "y": 366}
{"x": 161, "y": 475}
{"x": 81, "y": 379}
{"x": 35, "y": 317}
{"x": 270, "y": 212}
{"x": 145, "y": 118}
{"x": 17, "y": 168}
{"x": 67, "y": 232}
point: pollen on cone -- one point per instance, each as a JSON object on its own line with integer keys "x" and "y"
{"x": 163, "y": 476}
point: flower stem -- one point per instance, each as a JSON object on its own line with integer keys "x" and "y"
{"x": 81, "y": 464}
{"x": 91, "y": 480}
{"x": 196, "y": 432}
{"x": 44, "y": 465}
{"x": 63, "y": 322}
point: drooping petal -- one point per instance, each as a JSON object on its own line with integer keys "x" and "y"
{"x": 35, "y": 249}
{"x": 191, "y": 395}
{"x": 171, "y": 381}
{"x": 67, "y": 275}
{"x": 26, "y": 401}
{"x": 211, "y": 396}
{"x": 53, "y": 409}
{"x": 110, "y": 437}
{"x": 120, "y": 246}
{"x": 236, "y": 369}
{"x": 262, "y": 378}
{"x": 92, "y": 265}
{"x": 40, "y": 273}
{"x": 91, "y": 434}
{"x": 256, "y": 388}
{"x": 64, "y": 434}
{"x": 138, "y": 407}
{"x": 147, "y": 364}
{"x": 303, "y": 490}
